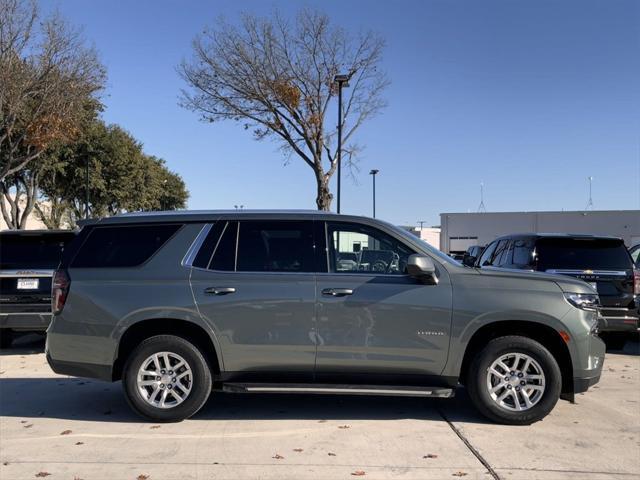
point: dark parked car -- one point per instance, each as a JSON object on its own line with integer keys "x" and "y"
{"x": 27, "y": 261}
{"x": 603, "y": 262}
{"x": 178, "y": 304}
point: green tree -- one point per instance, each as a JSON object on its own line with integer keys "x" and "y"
{"x": 122, "y": 178}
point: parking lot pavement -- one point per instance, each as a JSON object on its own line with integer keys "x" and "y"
{"x": 73, "y": 428}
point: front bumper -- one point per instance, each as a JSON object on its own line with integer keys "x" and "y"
{"x": 585, "y": 378}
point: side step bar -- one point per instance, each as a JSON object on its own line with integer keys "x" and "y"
{"x": 389, "y": 390}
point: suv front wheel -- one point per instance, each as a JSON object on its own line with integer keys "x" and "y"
{"x": 166, "y": 379}
{"x": 514, "y": 380}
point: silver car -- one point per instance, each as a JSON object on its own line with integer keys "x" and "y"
{"x": 177, "y": 305}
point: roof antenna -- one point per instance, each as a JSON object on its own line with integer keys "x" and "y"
{"x": 590, "y": 202}
{"x": 481, "y": 207}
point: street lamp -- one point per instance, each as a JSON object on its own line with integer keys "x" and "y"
{"x": 373, "y": 174}
{"x": 342, "y": 81}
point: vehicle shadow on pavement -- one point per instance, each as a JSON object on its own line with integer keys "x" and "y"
{"x": 26, "y": 344}
{"x": 89, "y": 400}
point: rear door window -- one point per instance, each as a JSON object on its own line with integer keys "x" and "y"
{"x": 582, "y": 254}
{"x": 276, "y": 246}
{"x": 122, "y": 245}
{"x": 218, "y": 251}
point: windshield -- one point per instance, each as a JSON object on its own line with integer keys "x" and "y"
{"x": 582, "y": 254}
{"x": 32, "y": 251}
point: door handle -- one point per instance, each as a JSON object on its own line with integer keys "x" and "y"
{"x": 220, "y": 290}
{"x": 337, "y": 292}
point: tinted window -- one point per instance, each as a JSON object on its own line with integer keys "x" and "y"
{"x": 122, "y": 246}
{"x": 522, "y": 252}
{"x": 582, "y": 254}
{"x": 218, "y": 251}
{"x": 276, "y": 246}
{"x": 27, "y": 251}
{"x": 203, "y": 256}
{"x": 355, "y": 248}
{"x": 224, "y": 255}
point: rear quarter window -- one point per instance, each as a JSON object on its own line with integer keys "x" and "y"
{"x": 122, "y": 245}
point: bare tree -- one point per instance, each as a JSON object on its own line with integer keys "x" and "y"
{"x": 47, "y": 75}
{"x": 278, "y": 80}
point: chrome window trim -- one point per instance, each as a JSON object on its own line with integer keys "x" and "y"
{"x": 187, "y": 260}
{"x": 587, "y": 272}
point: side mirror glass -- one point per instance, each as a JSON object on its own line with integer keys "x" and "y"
{"x": 422, "y": 268}
{"x": 469, "y": 260}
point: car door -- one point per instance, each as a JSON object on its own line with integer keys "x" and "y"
{"x": 254, "y": 283}
{"x": 376, "y": 323}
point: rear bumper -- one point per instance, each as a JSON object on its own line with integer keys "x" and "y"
{"x": 32, "y": 322}
{"x": 87, "y": 370}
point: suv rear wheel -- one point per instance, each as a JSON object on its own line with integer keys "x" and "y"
{"x": 166, "y": 379}
{"x": 514, "y": 380}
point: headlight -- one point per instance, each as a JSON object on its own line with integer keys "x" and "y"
{"x": 583, "y": 301}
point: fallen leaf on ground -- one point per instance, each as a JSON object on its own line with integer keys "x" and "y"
{"x": 5, "y": 463}
{"x": 322, "y": 421}
{"x": 66, "y": 432}
{"x": 344, "y": 426}
{"x": 459, "y": 474}
{"x": 277, "y": 456}
{"x": 23, "y": 421}
{"x": 28, "y": 425}
{"x": 430, "y": 455}
{"x": 153, "y": 427}
{"x": 297, "y": 450}
{"x": 331, "y": 454}
{"x": 79, "y": 443}
{"x": 77, "y": 478}
{"x": 142, "y": 477}
{"x": 42, "y": 474}
{"x": 358, "y": 473}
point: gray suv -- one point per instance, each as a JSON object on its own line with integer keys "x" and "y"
{"x": 179, "y": 304}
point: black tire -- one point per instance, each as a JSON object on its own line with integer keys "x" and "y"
{"x": 477, "y": 380}
{"x": 6, "y": 338}
{"x": 201, "y": 382}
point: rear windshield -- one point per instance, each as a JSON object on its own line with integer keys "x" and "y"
{"x": 19, "y": 252}
{"x": 582, "y": 254}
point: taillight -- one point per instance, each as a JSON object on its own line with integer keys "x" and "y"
{"x": 59, "y": 290}
{"x": 636, "y": 282}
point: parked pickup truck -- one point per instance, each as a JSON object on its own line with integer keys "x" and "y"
{"x": 28, "y": 259}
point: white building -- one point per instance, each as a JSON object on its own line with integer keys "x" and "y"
{"x": 459, "y": 231}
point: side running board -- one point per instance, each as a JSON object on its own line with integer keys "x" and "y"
{"x": 389, "y": 390}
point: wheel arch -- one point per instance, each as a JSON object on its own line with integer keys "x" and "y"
{"x": 191, "y": 331}
{"x": 544, "y": 334}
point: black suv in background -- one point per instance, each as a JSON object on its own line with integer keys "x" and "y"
{"x": 27, "y": 261}
{"x": 603, "y": 262}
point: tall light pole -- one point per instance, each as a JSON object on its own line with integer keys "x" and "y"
{"x": 342, "y": 81}
{"x": 373, "y": 173}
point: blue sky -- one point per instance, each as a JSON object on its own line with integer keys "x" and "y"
{"x": 528, "y": 97}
